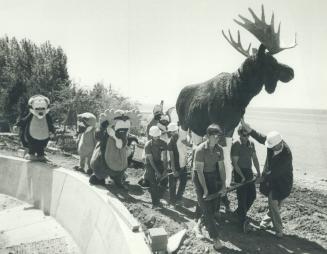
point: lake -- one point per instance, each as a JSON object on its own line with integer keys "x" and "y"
{"x": 305, "y": 131}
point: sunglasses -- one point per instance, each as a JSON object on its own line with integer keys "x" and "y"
{"x": 245, "y": 134}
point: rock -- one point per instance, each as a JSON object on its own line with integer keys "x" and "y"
{"x": 149, "y": 221}
{"x": 187, "y": 242}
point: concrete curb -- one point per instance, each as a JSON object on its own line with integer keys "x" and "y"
{"x": 98, "y": 222}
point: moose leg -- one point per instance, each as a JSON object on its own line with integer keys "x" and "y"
{"x": 227, "y": 160}
{"x": 183, "y": 134}
{"x": 196, "y": 139}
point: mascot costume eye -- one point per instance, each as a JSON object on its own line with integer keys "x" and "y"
{"x": 35, "y": 128}
{"x": 86, "y": 142}
{"x": 110, "y": 157}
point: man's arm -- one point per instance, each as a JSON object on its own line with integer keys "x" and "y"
{"x": 261, "y": 138}
{"x": 165, "y": 161}
{"x": 172, "y": 163}
{"x": 256, "y": 163}
{"x": 198, "y": 167}
{"x": 149, "y": 157}
{"x": 236, "y": 167}
{"x": 222, "y": 173}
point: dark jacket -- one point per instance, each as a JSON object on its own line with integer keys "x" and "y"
{"x": 281, "y": 177}
{"x": 24, "y": 124}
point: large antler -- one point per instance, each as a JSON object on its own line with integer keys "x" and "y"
{"x": 237, "y": 45}
{"x": 263, "y": 32}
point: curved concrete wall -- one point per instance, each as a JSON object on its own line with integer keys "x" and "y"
{"x": 97, "y": 221}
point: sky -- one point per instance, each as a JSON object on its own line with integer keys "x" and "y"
{"x": 149, "y": 50}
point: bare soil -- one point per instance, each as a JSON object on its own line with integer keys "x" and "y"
{"x": 304, "y": 215}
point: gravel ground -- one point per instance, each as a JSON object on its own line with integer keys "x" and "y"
{"x": 304, "y": 215}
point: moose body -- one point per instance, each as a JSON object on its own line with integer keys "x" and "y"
{"x": 214, "y": 101}
{"x": 224, "y": 98}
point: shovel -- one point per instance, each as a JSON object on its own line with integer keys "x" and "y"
{"x": 234, "y": 187}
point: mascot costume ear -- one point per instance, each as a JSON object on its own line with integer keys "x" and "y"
{"x": 118, "y": 124}
{"x": 39, "y": 106}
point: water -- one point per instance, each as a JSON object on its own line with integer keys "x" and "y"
{"x": 305, "y": 131}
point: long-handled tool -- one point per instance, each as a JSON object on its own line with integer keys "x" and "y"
{"x": 229, "y": 189}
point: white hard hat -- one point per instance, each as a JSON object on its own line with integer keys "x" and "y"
{"x": 172, "y": 127}
{"x": 155, "y": 131}
{"x": 273, "y": 138}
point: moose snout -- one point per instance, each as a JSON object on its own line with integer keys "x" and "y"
{"x": 286, "y": 74}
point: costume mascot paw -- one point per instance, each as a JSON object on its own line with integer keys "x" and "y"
{"x": 36, "y": 128}
{"x": 110, "y": 155}
{"x": 86, "y": 142}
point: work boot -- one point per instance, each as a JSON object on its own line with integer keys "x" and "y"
{"x": 279, "y": 234}
{"x": 89, "y": 172}
{"x": 95, "y": 181}
{"x": 218, "y": 244}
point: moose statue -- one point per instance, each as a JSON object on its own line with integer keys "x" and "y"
{"x": 224, "y": 98}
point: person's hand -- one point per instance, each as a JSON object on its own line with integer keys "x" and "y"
{"x": 15, "y": 129}
{"x": 246, "y": 126}
{"x": 159, "y": 176}
{"x": 205, "y": 193}
{"x": 176, "y": 174}
{"x": 243, "y": 179}
{"x": 222, "y": 192}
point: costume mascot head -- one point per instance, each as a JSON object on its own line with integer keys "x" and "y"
{"x": 110, "y": 155}
{"x": 36, "y": 127}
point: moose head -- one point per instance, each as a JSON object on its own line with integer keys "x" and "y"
{"x": 268, "y": 70}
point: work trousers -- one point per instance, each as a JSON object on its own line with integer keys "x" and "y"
{"x": 273, "y": 214}
{"x": 182, "y": 179}
{"x": 245, "y": 194}
{"x": 157, "y": 187}
{"x": 208, "y": 207}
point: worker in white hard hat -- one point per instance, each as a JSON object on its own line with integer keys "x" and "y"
{"x": 178, "y": 158}
{"x": 156, "y": 165}
{"x": 277, "y": 176}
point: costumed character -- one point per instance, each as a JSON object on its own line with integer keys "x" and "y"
{"x": 163, "y": 126}
{"x": 86, "y": 140}
{"x": 36, "y": 128}
{"x": 157, "y": 113}
{"x": 111, "y": 152}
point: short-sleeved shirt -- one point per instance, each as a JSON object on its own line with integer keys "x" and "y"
{"x": 209, "y": 157}
{"x": 244, "y": 152}
{"x": 155, "y": 148}
{"x": 172, "y": 147}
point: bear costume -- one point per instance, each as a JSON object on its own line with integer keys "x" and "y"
{"x": 35, "y": 128}
{"x": 110, "y": 157}
{"x": 86, "y": 142}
